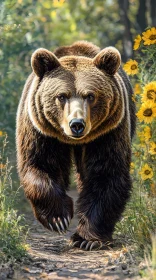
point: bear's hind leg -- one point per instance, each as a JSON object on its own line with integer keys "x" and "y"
{"x": 104, "y": 187}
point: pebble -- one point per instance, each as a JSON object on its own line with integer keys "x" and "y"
{"x": 97, "y": 270}
{"x": 113, "y": 268}
{"x": 126, "y": 272}
{"x": 124, "y": 266}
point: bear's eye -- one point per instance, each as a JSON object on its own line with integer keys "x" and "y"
{"x": 91, "y": 97}
{"x": 62, "y": 97}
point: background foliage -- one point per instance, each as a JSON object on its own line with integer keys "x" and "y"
{"x": 26, "y": 25}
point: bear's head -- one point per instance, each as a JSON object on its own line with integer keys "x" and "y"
{"x": 76, "y": 98}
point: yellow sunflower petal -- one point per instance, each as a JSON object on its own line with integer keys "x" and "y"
{"x": 147, "y": 133}
{"x": 137, "y": 89}
{"x": 152, "y": 150}
{"x": 141, "y": 136}
{"x": 153, "y": 30}
{"x": 137, "y": 42}
{"x": 58, "y": 3}
{"x": 132, "y": 166}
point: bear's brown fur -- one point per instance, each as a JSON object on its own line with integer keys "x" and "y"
{"x": 76, "y": 102}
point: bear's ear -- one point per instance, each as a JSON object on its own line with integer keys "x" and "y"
{"x": 43, "y": 61}
{"x": 109, "y": 60}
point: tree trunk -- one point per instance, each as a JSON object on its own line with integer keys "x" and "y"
{"x": 141, "y": 16}
{"x": 153, "y": 12}
{"x": 127, "y": 40}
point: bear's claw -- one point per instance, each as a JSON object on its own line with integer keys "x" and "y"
{"x": 59, "y": 225}
{"x": 66, "y": 223}
{"x": 83, "y": 244}
{"x": 59, "y": 230}
{"x": 69, "y": 219}
{"x": 96, "y": 245}
{"x": 88, "y": 245}
{"x": 51, "y": 227}
{"x": 75, "y": 244}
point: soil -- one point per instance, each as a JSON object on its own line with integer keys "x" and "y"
{"x": 52, "y": 257}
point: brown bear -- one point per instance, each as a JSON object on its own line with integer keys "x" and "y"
{"x": 76, "y": 106}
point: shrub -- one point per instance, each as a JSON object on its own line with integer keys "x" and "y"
{"x": 12, "y": 236}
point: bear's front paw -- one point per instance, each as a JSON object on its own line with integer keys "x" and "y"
{"x": 55, "y": 216}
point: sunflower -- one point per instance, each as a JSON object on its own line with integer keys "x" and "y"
{"x": 144, "y": 135}
{"x": 141, "y": 136}
{"x": 152, "y": 150}
{"x": 137, "y": 42}
{"x": 137, "y": 89}
{"x": 149, "y": 36}
{"x": 147, "y": 112}
{"x": 132, "y": 166}
{"x": 146, "y": 172}
{"x": 131, "y": 67}
{"x": 149, "y": 92}
{"x": 147, "y": 133}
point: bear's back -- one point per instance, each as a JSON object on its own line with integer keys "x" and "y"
{"x": 79, "y": 48}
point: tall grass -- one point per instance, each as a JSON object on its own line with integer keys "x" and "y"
{"x": 12, "y": 233}
{"x": 138, "y": 225}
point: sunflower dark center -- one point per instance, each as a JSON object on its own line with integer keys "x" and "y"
{"x": 133, "y": 67}
{"x": 152, "y": 37}
{"x": 154, "y": 149}
{"x": 147, "y": 113}
{"x": 149, "y": 94}
{"x": 147, "y": 172}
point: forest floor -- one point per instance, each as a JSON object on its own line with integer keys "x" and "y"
{"x": 52, "y": 257}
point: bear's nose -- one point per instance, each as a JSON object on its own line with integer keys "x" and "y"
{"x": 77, "y": 126}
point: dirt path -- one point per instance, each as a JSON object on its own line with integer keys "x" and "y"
{"x": 53, "y": 258}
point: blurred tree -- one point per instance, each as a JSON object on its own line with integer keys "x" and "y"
{"x": 135, "y": 17}
{"x": 153, "y": 12}
{"x": 141, "y": 16}
{"x": 127, "y": 35}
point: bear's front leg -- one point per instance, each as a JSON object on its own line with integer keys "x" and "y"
{"x": 51, "y": 205}
{"x": 44, "y": 167}
{"x": 104, "y": 188}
